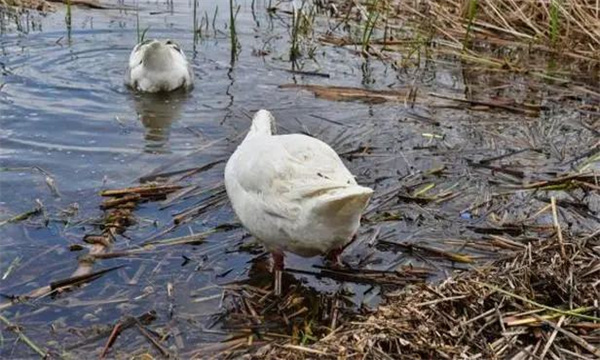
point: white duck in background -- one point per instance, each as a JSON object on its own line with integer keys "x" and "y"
{"x": 156, "y": 66}
{"x": 293, "y": 193}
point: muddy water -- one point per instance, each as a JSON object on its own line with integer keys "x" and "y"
{"x": 66, "y": 118}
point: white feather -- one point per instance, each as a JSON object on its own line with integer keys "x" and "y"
{"x": 158, "y": 66}
{"x": 292, "y": 192}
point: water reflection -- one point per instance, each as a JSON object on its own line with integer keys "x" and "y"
{"x": 157, "y": 112}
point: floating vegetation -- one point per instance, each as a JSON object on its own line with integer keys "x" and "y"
{"x": 339, "y": 93}
{"x": 23, "y": 216}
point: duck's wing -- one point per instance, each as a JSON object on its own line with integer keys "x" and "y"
{"x": 135, "y": 60}
{"x": 316, "y": 161}
{"x": 283, "y": 172}
{"x": 189, "y": 81}
{"x": 324, "y": 184}
{"x": 137, "y": 54}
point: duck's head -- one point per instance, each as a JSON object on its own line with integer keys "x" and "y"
{"x": 263, "y": 123}
{"x": 159, "y": 54}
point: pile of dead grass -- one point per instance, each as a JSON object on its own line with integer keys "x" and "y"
{"x": 558, "y": 24}
{"x": 39, "y": 5}
{"x": 543, "y": 301}
{"x": 472, "y": 29}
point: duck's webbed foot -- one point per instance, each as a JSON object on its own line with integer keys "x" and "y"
{"x": 277, "y": 270}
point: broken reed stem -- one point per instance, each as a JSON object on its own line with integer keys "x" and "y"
{"x": 550, "y": 308}
{"x": 577, "y": 339}
{"x": 535, "y": 320}
{"x": 143, "y": 190}
{"x": 558, "y": 229}
{"x": 23, "y": 216}
{"x": 552, "y": 337}
{"x": 24, "y": 337}
{"x": 163, "y": 351}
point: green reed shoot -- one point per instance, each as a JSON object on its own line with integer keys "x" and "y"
{"x": 471, "y": 14}
{"x": 141, "y": 34}
{"x": 214, "y": 20}
{"x": 202, "y": 26}
{"x": 68, "y": 17}
{"x": 143, "y": 37}
{"x": 302, "y": 27}
{"x": 554, "y": 21}
{"x": 195, "y": 28}
{"x": 372, "y": 19}
{"x": 137, "y": 21}
{"x": 205, "y": 21}
{"x": 232, "y": 31}
{"x": 294, "y": 48}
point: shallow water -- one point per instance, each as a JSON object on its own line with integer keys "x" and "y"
{"x": 64, "y": 109}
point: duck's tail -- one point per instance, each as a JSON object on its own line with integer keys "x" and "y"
{"x": 345, "y": 202}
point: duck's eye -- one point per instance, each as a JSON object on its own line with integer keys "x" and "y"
{"x": 169, "y": 42}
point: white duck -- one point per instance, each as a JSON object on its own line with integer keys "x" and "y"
{"x": 156, "y": 65}
{"x": 293, "y": 193}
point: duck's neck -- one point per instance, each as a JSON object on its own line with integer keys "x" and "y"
{"x": 263, "y": 123}
{"x": 158, "y": 59}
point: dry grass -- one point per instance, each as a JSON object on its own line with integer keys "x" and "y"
{"x": 482, "y": 31}
{"x": 39, "y": 5}
{"x": 45, "y": 6}
{"x": 534, "y": 303}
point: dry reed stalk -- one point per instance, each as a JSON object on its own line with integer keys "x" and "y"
{"x": 459, "y": 318}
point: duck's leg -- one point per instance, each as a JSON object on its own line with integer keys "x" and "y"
{"x": 334, "y": 257}
{"x": 277, "y": 270}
